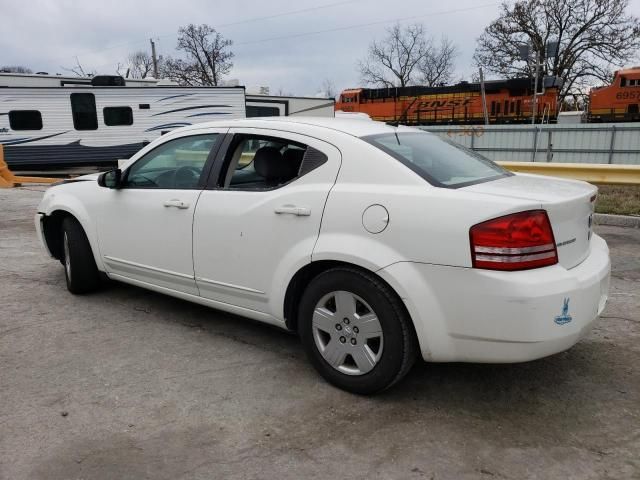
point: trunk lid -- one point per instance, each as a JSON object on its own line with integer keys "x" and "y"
{"x": 569, "y": 204}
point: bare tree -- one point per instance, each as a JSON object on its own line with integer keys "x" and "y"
{"x": 140, "y": 64}
{"x": 181, "y": 71}
{"x": 119, "y": 67}
{"x": 407, "y": 55}
{"x": 594, "y": 36}
{"x": 79, "y": 71}
{"x": 207, "y": 57}
{"x": 281, "y": 92}
{"x": 392, "y": 61}
{"x": 436, "y": 68}
{"x": 328, "y": 88}
{"x": 15, "y": 69}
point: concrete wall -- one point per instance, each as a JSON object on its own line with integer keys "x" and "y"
{"x": 581, "y": 143}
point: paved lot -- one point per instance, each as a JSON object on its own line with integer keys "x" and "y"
{"x": 130, "y": 384}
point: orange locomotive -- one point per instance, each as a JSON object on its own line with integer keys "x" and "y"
{"x": 508, "y": 101}
{"x": 619, "y": 101}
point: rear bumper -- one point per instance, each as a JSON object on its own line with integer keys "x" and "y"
{"x": 473, "y": 315}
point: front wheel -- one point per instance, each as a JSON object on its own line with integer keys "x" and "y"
{"x": 356, "y": 331}
{"x": 80, "y": 268}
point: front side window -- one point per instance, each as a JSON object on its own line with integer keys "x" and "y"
{"x": 176, "y": 164}
{"x": 25, "y": 120}
{"x": 261, "y": 163}
{"x": 115, "y": 116}
{"x": 441, "y": 162}
{"x": 83, "y": 109}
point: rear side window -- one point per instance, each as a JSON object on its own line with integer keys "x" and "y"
{"x": 441, "y": 162}
{"x": 83, "y": 108}
{"x": 256, "y": 162}
{"x": 114, "y": 116}
{"x": 25, "y": 120}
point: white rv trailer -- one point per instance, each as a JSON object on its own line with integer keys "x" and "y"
{"x": 10, "y": 79}
{"x": 51, "y": 120}
{"x": 278, "y": 106}
{"x": 91, "y": 125}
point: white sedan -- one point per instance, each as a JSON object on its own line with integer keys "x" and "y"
{"x": 376, "y": 244}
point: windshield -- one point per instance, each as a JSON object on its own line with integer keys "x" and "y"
{"x": 441, "y": 162}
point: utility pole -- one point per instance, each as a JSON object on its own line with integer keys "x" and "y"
{"x": 155, "y": 59}
{"x": 535, "y": 89}
{"x": 484, "y": 98}
{"x": 549, "y": 50}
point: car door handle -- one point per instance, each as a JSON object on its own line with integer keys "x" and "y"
{"x": 293, "y": 210}
{"x": 176, "y": 203}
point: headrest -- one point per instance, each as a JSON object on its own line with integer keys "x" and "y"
{"x": 293, "y": 155}
{"x": 269, "y": 163}
{"x": 293, "y": 158}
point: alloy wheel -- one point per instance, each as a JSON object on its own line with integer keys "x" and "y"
{"x": 67, "y": 259}
{"x": 347, "y": 333}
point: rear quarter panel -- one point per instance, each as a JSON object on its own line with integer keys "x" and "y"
{"x": 426, "y": 224}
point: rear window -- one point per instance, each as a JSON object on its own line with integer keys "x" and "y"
{"x": 441, "y": 162}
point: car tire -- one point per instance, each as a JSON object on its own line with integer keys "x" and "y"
{"x": 79, "y": 264}
{"x": 337, "y": 327}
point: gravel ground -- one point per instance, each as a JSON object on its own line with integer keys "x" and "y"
{"x": 129, "y": 384}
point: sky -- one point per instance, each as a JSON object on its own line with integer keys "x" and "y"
{"x": 292, "y": 47}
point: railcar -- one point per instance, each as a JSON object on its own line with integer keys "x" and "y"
{"x": 508, "y": 101}
{"x": 619, "y": 101}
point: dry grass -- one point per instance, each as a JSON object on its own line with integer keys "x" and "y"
{"x": 619, "y": 200}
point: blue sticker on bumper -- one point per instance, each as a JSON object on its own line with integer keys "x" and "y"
{"x": 564, "y": 317}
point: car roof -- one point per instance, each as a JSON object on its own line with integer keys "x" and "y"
{"x": 350, "y": 126}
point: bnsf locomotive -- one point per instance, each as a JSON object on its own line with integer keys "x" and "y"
{"x": 619, "y": 101}
{"x": 508, "y": 101}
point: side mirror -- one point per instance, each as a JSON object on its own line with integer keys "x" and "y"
{"x": 110, "y": 179}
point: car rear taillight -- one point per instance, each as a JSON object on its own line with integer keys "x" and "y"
{"x": 514, "y": 242}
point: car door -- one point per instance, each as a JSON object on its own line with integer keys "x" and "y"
{"x": 145, "y": 227}
{"x": 257, "y": 227}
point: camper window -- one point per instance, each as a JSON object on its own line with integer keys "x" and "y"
{"x": 114, "y": 116}
{"x": 83, "y": 108}
{"x": 25, "y": 120}
{"x": 258, "y": 111}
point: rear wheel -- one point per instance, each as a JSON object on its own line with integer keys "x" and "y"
{"x": 80, "y": 268}
{"x": 356, "y": 331}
